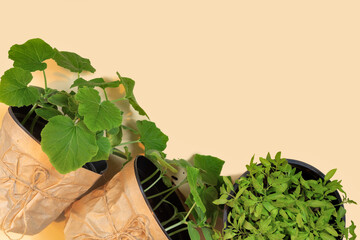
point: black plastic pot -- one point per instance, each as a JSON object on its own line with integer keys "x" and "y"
{"x": 143, "y": 169}
{"x": 18, "y": 114}
{"x": 308, "y": 172}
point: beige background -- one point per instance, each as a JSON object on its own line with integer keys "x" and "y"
{"x": 225, "y": 78}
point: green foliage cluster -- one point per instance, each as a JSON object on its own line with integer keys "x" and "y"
{"x": 82, "y": 127}
{"x": 274, "y": 201}
{"x": 203, "y": 178}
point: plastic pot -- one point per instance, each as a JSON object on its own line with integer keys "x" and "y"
{"x": 308, "y": 172}
{"x": 32, "y": 193}
{"x": 120, "y": 209}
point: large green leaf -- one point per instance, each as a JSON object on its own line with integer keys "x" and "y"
{"x": 68, "y": 145}
{"x": 96, "y": 82}
{"x": 31, "y": 54}
{"x": 151, "y": 136}
{"x": 14, "y": 90}
{"x": 73, "y": 61}
{"x": 104, "y": 149}
{"x": 47, "y": 112}
{"x": 129, "y": 85}
{"x": 211, "y": 168}
{"x": 192, "y": 176}
{"x": 97, "y": 115}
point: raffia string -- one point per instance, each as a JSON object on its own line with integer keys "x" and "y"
{"x": 135, "y": 229}
{"x": 40, "y": 175}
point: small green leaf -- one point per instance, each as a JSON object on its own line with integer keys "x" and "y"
{"x": 104, "y": 149}
{"x": 326, "y": 236}
{"x": 211, "y": 168}
{"x": 97, "y": 115}
{"x": 115, "y": 136}
{"x": 31, "y": 54}
{"x": 14, "y": 90}
{"x": 47, "y": 113}
{"x": 352, "y": 231}
{"x": 193, "y": 233}
{"x": 316, "y": 203}
{"x": 331, "y": 230}
{"x": 72, "y": 61}
{"x": 129, "y": 85}
{"x": 192, "y": 176}
{"x": 97, "y": 82}
{"x": 329, "y": 175}
{"x": 151, "y": 136}
{"x": 68, "y": 145}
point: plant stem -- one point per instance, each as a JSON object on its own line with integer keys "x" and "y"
{"x": 33, "y": 124}
{"x": 182, "y": 221}
{"x": 167, "y": 195}
{"x": 106, "y": 96}
{"x": 29, "y": 114}
{"x": 188, "y": 214}
{"x": 177, "y": 231}
{"x": 45, "y": 80}
{"x": 119, "y": 99}
{"x": 176, "y": 225}
{"x": 150, "y": 177}
{"x": 130, "y": 129}
{"x": 157, "y": 180}
{"x": 131, "y": 142}
{"x": 119, "y": 153}
{"x": 166, "y": 191}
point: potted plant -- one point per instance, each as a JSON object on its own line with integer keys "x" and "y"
{"x": 283, "y": 199}
{"x": 141, "y": 202}
{"x": 54, "y": 142}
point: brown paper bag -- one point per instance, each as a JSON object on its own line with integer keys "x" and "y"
{"x": 115, "y": 211}
{"x": 32, "y": 192}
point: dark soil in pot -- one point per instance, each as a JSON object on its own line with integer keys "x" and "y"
{"x": 308, "y": 172}
{"x": 143, "y": 169}
{"x": 19, "y": 113}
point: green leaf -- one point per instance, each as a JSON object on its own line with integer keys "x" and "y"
{"x": 68, "y": 145}
{"x": 104, "y": 149}
{"x": 97, "y": 82}
{"x": 211, "y": 168}
{"x": 14, "y": 90}
{"x": 60, "y": 99}
{"x": 47, "y": 113}
{"x": 352, "y": 231}
{"x": 151, "y": 136}
{"x": 207, "y": 233}
{"x": 329, "y": 175}
{"x": 326, "y": 236}
{"x": 193, "y": 233}
{"x": 72, "y": 61}
{"x": 115, "y": 136}
{"x": 316, "y": 203}
{"x": 31, "y": 54}
{"x": 331, "y": 230}
{"x": 129, "y": 85}
{"x": 97, "y": 116}
{"x": 192, "y": 176}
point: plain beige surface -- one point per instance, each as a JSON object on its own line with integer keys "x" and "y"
{"x": 229, "y": 79}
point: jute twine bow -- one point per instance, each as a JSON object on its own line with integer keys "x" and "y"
{"x": 39, "y": 175}
{"x": 135, "y": 229}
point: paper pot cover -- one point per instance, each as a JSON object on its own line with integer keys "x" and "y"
{"x": 115, "y": 211}
{"x": 32, "y": 192}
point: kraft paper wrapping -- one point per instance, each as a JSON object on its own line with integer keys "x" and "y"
{"x": 116, "y": 210}
{"x": 32, "y": 192}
